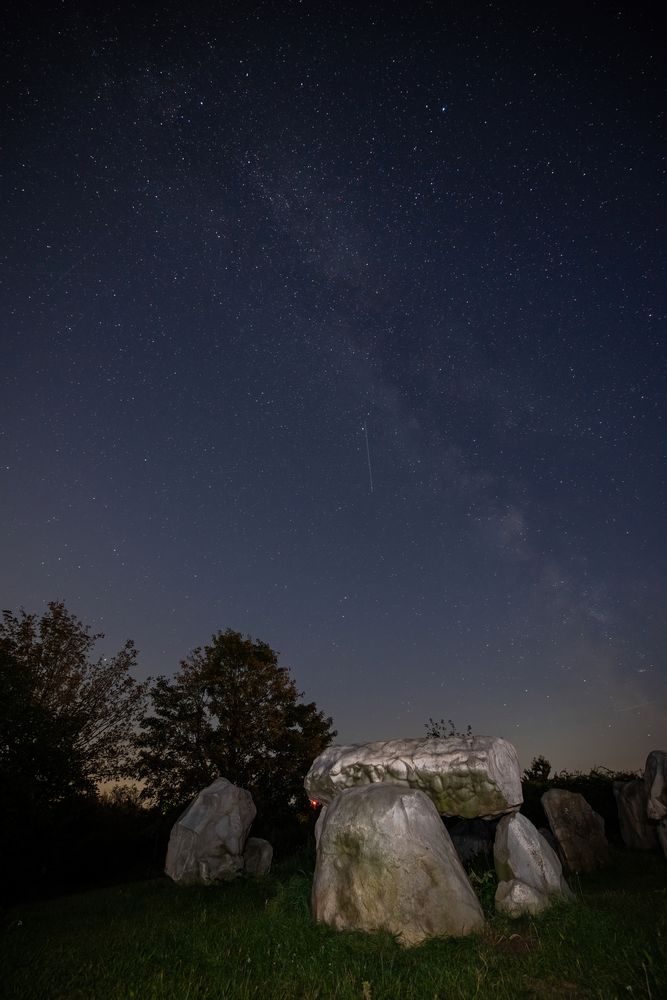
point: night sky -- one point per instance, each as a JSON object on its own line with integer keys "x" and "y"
{"x": 341, "y": 325}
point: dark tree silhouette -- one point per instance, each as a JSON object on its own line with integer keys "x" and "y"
{"x": 231, "y": 710}
{"x": 66, "y": 705}
{"x": 539, "y": 770}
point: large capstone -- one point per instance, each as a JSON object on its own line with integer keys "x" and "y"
{"x": 386, "y": 862}
{"x": 208, "y": 839}
{"x": 463, "y": 776}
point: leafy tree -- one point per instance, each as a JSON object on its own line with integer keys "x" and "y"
{"x": 39, "y": 766}
{"x": 442, "y": 730}
{"x": 62, "y": 705}
{"x": 231, "y": 710}
{"x": 539, "y": 770}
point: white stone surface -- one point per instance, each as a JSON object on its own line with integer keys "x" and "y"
{"x": 522, "y": 855}
{"x": 386, "y": 862}
{"x": 466, "y": 776}
{"x": 517, "y": 899}
{"x": 207, "y": 840}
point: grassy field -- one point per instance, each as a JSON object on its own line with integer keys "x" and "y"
{"x": 153, "y": 941}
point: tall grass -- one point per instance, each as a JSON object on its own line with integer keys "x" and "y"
{"x": 255, "y": 939}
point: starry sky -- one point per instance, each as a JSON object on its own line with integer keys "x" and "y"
{"x": 342, "y": 325}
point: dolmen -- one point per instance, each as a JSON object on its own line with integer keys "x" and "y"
{"x": 209, "y": 841}
{"x": 385, "y": 860}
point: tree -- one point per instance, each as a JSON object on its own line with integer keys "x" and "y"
{"x": 63, "y": 703}
{"x": 38, "y": 765}
{"x": 539, "y": 770}
{"x": 231, "y": 710}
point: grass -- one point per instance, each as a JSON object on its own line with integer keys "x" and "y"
{"x": 255, "y": 939}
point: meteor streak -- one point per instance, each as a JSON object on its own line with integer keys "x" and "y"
{"x": 368, "y": 457}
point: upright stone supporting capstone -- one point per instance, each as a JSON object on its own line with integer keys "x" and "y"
{"x": 475, "y": 776}
{"x": 386, "y": 862}
{"x": 530, "y": 875}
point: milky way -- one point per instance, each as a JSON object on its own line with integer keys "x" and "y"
{"x": 233, "y": 241}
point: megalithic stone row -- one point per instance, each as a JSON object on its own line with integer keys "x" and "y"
{"x": 475, "y": 776}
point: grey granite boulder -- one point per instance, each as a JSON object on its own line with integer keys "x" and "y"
{"x": 207, "y": 840}
{"x": 257, "y": 856}
{"x": 463, "y": 776}
{"x": 655, "y": 779}
{"x": 578, "y": 830}
{"x": 386, "y": 862}
{"x": 518, "y": 899}
{"x": 523, "y": 857}
{"x": 637, "y": 830}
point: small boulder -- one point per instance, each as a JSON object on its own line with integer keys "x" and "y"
{"x": 207, "y": 840}
{"x": 386, "y": 862}
{"x": 521, "y": 852}
{"x": 257, "y": 856}
{"x": 579, "y": 831}
{"x": 637, "y": 831}
{"x": 518, "y": 899}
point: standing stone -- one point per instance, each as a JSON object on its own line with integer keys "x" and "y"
{"x": 579, "y": 831}
{"x": 525, "y": 861}
{"x": 655, "y": 778}
{"x": 637, "y": 831}
{"x": 464, "y": 776}
{"x": 386, "y": 862}
{"x": 207, "y": 840}
{"x": 257, "y": 856}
